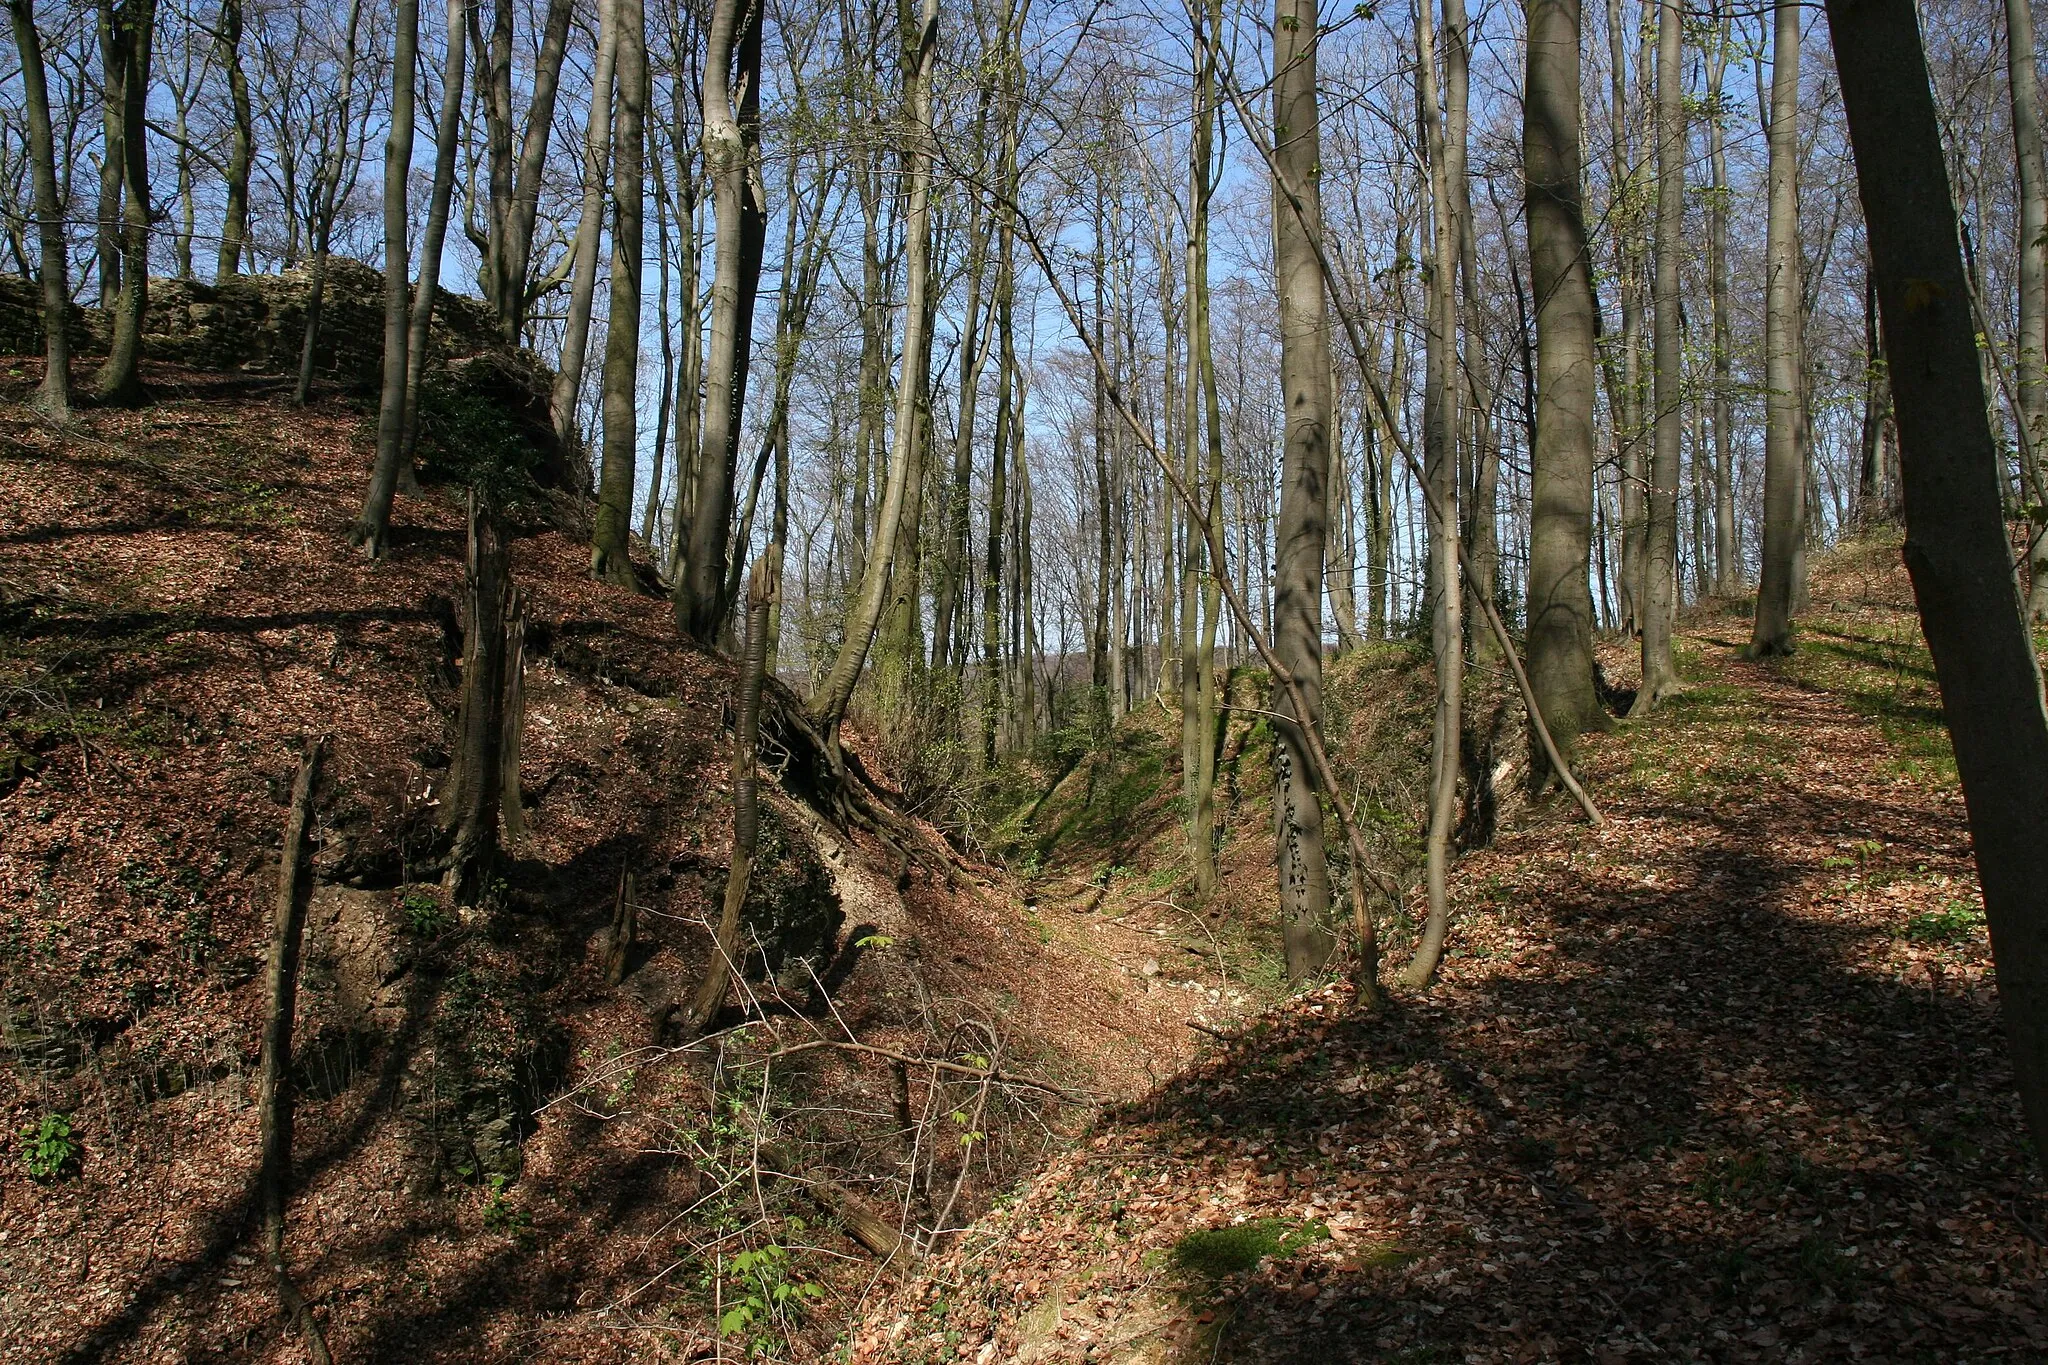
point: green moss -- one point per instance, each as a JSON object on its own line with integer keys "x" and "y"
{"x": 1216, "y": 1252}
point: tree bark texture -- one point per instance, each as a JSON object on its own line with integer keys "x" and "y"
{"x": 597, "y": 142}
{"x": 1304, "y": 875}
{"x": 611, "y": 558}
{"x": 1784, "y": 461}
{"x": 53, "y": 397}
{"x": 732, "y": 79}
{"x": 120, "y": 379}
{"x": 1560, "y": 609}
{"x": 1660, "y": 545}
{"x": 373, "y": 527}
{"x": 1956, "y": 547}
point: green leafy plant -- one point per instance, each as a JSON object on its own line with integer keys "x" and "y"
{"x": 48, "y": 1148}
{"x": 761, "y": 1298}
{"x": 499, "y": 1215}
{"x": 425, "y": 916}
{"x": 1953, "y": 923}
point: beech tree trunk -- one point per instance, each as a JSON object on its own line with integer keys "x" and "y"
{"x": 1727, "y": 553}
{"x": 120, "y": 380}
{"x": 2032, "y": 360}
{"x": 473, "y": 791}
{"x": 764, "y": 587}
{"x": 1560, "y": 611}
{"x": 611, "y": 559}
{"x": 1440, "y": 469}
{"x": 234, "y": 232}
{"x": 1956, "y": 547}
{"x": 1304, "y": 875}
{"x": 373, "y": 527}
{"x": 829, "y": 708}
{"x": 53, "y": 398}
{"x": 1660, "y": 562}
{"x": 597, "y": 142}
{"x": 447, "y": 130}
{"x": 1784, "y": 462}
{"x": 732, "y": 78}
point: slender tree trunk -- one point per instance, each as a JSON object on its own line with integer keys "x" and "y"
{"x": 732, "y": 77}
{"x": 1626, "y": 220}
{"x": 949, "y": 594}
{"x": 1560, "y": 613}
{"x": 1956, "y": 546}
{"x": 474, "y": 788}
{"x": 2032, "y": 349}
{"x": 1006, "y": 369}
{"x": 1783, "y": 460}
{"x": 372, "y": 528}
{"x": 1198, "y": 614}
{"x": 447, "y": 130}
{"x": 1727, "y": 553}
{"x": 1660, "y": 566}
{"x": 762, "y": 591}
{"x": 274, "y": 1087}
{"x": 107, "y": 243}
{"x": 234, "y": 230}
{"x": 516, "y": 255}
{"x": 611, "y": 559}
{"x": 1440, "y": 468}
{"x": 53, "y": 398}
{"x": 1304, "y": 877}
{"x": 326, "y": 202}
{"x": 597, "y": 141}
{"x": 829, "y": 709}
{"x": 120, "y": 381}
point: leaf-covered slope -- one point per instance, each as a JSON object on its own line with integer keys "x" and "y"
{"x": 1721, "y": 1080}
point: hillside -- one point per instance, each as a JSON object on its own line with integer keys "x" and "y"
{"x": 1719, "y": 1080}
{"x": 498, "y": 1154}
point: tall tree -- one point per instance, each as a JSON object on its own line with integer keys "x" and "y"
{"x": 234, "y": 230}
{"x": 1202, "y": 435}
{"x": 53, "y": 397}
{"x": 1560, "y": 612}
{"x": 1784, "y": 461}
{"x": 1727, "y": 561}
{"x": 1660, "y": 559}
{"x": 597, "y": 142}
{"x": 1304, "y": 875}
{"x": 373, "y": 526}
{"x": 133, "y": 32}
{"x": 1440, "y": 472}
{"x": 514, "y": 186}
{"x": 732, "y": 130}
{"x": 2023, "y": 78}
{"x": 1956, "y": 545}
{"x": 611, "y": 559}
{"x": 828, "y": 709}
{"x": 447, "y": 134}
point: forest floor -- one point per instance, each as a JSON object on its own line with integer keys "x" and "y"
{"x": 1720, "y": 1079}
{"x": 499, "y": 1155}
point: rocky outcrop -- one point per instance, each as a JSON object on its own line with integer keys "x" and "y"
{"x": 256, "y": 324}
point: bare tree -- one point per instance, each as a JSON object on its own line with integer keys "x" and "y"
{"x": 373, "y": 526}
{"x": 610, "y": 548}
{"x": 1660, "y": 561}
{"x": 133, "y": 29}
{"x": 1560, "y": 614}
{"x": 1956, "y": 545}
{"x": 1304, "y": 474}
{"x": 53, "y": 396}
{"x": 1784, "y": 460}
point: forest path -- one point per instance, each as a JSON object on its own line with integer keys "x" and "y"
{"x": 1718, "y": 1080}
